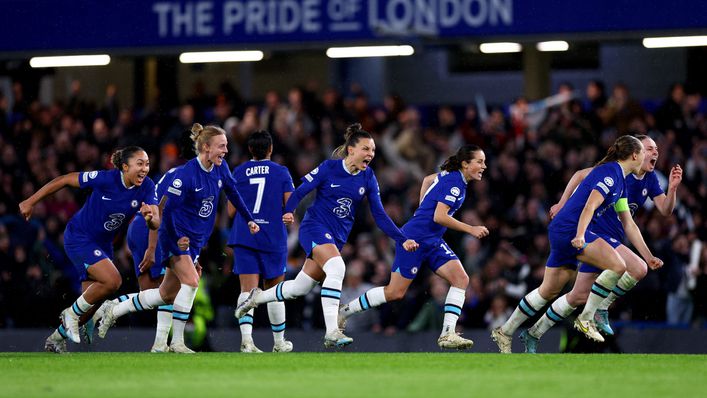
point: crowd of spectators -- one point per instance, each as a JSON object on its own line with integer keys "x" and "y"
{"x": 532, "y": 150}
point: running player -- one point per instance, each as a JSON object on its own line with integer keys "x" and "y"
{"x": 189, "y": 217}
{"x": 265, "y": 186}
{"x": 441, "y": 196}
{"x": 639, "y": 186}
{"x": 88, "y": 240}
{"x": 341, "y": 185}
{"x": 603, "y": 188}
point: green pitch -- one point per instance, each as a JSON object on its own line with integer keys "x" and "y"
{"x": 334, "y": 375}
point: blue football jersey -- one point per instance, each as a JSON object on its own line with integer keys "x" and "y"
{"x": 637, "y": 191}
{"x": 262, "y": 184}
{"x": 339, "y": 193}
{"x": 607, "y": 179}
{"x": 448, "y": 188}
{"x": 110, "y": 206}
{"x": 138, "y": 223}
{"x": 192, "y": 197}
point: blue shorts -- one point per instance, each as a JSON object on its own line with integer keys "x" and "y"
{"x": 433, "y": 255}
{"x": 168, "y": 248}
{"x": 137, "y": 242}
{"x": 314, "y": 234}
{"x": 562, "y": 253}
{"x": 83, "y": 252}
{"x": 250, "y": 261}
{"x": 587, "y": 268}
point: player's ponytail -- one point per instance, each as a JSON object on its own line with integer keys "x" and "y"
{"x": 121, "y": 156}
{"x": 259, "y": 144}
{"x": 464, "y": 154}
{"x": 201, "y": 135}
{"x": 622, "y": 149}
{"x": 353, "y": 134}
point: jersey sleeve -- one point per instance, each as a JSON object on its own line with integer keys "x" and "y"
{"x": 653, "y": 186}
{"x": 310, "y": 181}
{"x": 287, "y": 184}
{"x": 379, "y": 215}
{"x": 447, "y": 191}
{"x": 235, "y": 197}
{"x": 164, "y": 183}
{"x": 177, "y": 189}
{"x": 150, "y": 192}
{"x": 602, "y": 180}
{"x": 95, "y": 179}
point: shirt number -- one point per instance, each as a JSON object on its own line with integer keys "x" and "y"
{"x": 260, "y": 182}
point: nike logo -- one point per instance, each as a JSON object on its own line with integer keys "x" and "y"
{"x": 198, "y": 189}
{"x": 335, "y": 186}
{"x": 105, "y": 198}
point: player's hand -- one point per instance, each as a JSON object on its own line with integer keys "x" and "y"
{"x": 655, "y": 263}
{"x": 26, "y": 209}
{"x": 479, "y": 232}
{"x": 254, "y": 227}
{"x": 578, "y": 242}
{"x": 554, "y": 210}
{"x": 675, "y": 177}
{"x": 183, "y": 243}
{"x": 146, "y": 211}
{"x": 410, "y": 245}
{"x": 288, "y": 218}
{"x": 148, "y": 260}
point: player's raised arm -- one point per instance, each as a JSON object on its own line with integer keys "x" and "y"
{"x": 26, "y": 206}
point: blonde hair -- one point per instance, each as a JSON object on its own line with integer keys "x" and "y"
{"x": 201, "y": 135}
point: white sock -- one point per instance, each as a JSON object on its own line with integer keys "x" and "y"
{"x": 80, "y": 306}
{"x": 143, "y": 301}
{"x": 452, "y": 309}
{"x": 527, "y": 308}
{"x": 59, "y": 334}
{"x": 245, "y": 323}
{"x": 557, "y": 312}
{"x": 601, "y": 288}
{"x": 276, "y": 313}
{"x": 625, "y": 283}
{"x": 331, "y": 292}
{"x": 124, "y": 297}
{"x": 164, "y": 323}
{"x": 369, "y": 299}
{"x": 287, "y": 290}
{"x": 180, "y": 313}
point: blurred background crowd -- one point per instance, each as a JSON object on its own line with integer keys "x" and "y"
{"x": 532, "y": 150}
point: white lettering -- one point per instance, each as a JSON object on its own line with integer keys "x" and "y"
{"x": 449, "y": 13}
{"x": 475, "y": 19}
{"x": 425, "y": 18}
{"x": 233, "y": 14}
{"x": 182, "y": 19}
{"x": 255, "y": 16}
{"x": 399, "y": 22}
{"x": 162, "y": 10}
{"x": 502, "y": 9}
{"x": 290, "y": 16}
{"x": 204, "y": 17}
{"x": 310, "y": 16}
{"x": 257, "y": 170}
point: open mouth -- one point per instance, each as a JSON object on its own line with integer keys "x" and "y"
{"x": 140, "y": 178}
{"x": 366, "y": 162}
{"x": 654, "y": 161}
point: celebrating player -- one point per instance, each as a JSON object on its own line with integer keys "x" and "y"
{"x": 572, "y": 240}
{"x": 265, "y": 187}
{"x": 639, "y": 186}
{"x": 189, "y": 217}
{"x": 341, "y": 185}
{"x": 441, "y": 196}
{"x": 88, "y": 240}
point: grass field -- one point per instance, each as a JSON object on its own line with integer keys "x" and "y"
{"x": 334, "y": 375}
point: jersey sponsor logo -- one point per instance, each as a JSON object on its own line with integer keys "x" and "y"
{"x": 414, "y": 270}
{"x": 174, "y": 191}
{"x": 315, "y": 171}
{"x": 344, "y": 209}
{"x": 116, "y": 220}
{"x": 603, "y": 187}
{"x": 644, "y": 192}
{"x": 609, "y": 181}
{"x": 633, "y": 208}
{"x": 198, "y": 189}
{"x": 455, "y": 191}
{"x": 328, "y": 235}
{"x": 133, "y": 203}
{"x": 335, "y": 185}
{"x": 450, "y": 198}
{"x": 177, "y": 183}
{"x": 97, "y": 253}
{"x": 93, "y": 174}
{"x": 207, "y": 207}
{"x": 361, "y": 190}
{"x": 105, "y": 197}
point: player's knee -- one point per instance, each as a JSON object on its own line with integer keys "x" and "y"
{"x": 617, "y": 265}
{"x": 394, "y": 293}
{"x": 637, "y": 269}
{"x": 460, "y": 281}
{"x": 113, "y": 284}
{"x": 576, "y": 299}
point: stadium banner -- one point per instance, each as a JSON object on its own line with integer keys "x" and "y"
{"x": 55, "y": 25}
